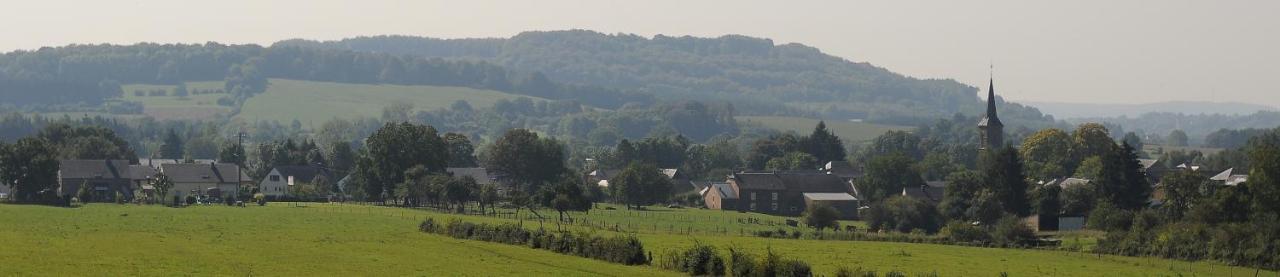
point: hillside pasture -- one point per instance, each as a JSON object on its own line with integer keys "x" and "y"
{"x": 849, "y": 131}
{"x": 313, "y": 103}
{"x": 171, "y": 107}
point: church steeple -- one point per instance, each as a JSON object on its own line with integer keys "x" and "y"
{"x": 990, "y": 128}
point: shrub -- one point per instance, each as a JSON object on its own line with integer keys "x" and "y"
{"x": 699, "y": 260}
{"x": 741, "y": 264}
{"x": 961, "y": 232}
{"x": 1107, "y": 217}
{"x": 1011, "y": 231}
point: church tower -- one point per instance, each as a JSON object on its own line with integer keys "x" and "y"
{"x": 990, "y": 128}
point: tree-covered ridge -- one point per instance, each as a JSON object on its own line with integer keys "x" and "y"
{"x": 92, "y": 73}
{"x": 753, "y": 72}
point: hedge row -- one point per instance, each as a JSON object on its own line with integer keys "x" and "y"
{"x": 1254, "y": 244}
{"x": 703, "y": 260}
{"x": 617, "y": 249}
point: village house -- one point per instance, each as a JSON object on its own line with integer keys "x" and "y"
{"x": 105, "y": 179}
{"x": 278, "y": 181}
{"x": 718, "y": 195}
{"x": 783, "y": 193}
{"x": 218, "y": 179}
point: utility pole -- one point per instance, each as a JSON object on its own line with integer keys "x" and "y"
{"x": 240, "y": 162}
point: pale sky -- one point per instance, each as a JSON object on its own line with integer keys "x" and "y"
{"x": 1074, "y": 51}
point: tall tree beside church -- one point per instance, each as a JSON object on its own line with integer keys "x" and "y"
{"x": 824, "y": 145}
{"x": 1047, "y": 154}
{"x": 172, "y": 146}
{"x": 1002, "y": 170}
{"x": 1120, "y": 179}
{"x": 886, "y": 175}
{"x": 1091, "y": 140}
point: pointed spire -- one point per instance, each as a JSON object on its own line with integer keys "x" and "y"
{"x": 991, "y": 98}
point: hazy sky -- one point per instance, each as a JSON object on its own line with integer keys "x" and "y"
{"x": 1076, "y": 51}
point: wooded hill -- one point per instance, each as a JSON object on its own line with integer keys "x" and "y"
{"x": 753, "y": 73}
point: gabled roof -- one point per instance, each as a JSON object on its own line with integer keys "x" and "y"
{"x": 1228, "y": 178}
{"x": 724, "y": 189}
{"x": 479, "y": 173}
{"x": 202, "y": 173}
{"x": 1148, "y": 163}
{"x": 1226, "y": 174}
{"x": 142, "y": 172}
{"x": 94, "y": 169}
{"x": 799, "y": 181}
{"x": 304, "y": 173}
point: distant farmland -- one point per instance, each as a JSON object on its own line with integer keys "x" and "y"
{"x": 169, "y": 106}
{"x": 850, "y": 132}
{"x": 313, "y": 103}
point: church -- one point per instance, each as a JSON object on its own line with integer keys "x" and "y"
{"x": 990, "y": 129}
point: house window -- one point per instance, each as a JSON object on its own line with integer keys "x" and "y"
{"x": 753, "y": 206}
{"x": 275, "y": 178}
{"x": 775, "y": 196}
{"x": 774, "y": 206}
{"x": 753, "y": 197}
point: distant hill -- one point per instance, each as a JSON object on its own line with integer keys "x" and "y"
{"x": 760, "y": 77}
{"x": 1197, "y": 126}
{"x": 1079, "y": 110}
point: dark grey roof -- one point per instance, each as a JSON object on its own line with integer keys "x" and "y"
{"x": 927, "y": 193}
{"x": 843, "y": 169}
{"x": 479, "y": 173}
{"x": 91, "y": 169}
{"x": 142, "y": 172}
{"x": 724, "y": 189}
{"x": 799, "y": 181}
{"x": 202, "y": 173}
{"x": 304, "y": 173}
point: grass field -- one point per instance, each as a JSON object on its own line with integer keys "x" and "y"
{"x": 850, "y": 132}
{"x": 313, "y": 103}
{"x": 344, "y": 239}
{"x": 117, "y": 240}
{"x": 193, "y": 106}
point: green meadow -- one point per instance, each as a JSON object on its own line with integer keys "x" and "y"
{"x": 346, "y": 239}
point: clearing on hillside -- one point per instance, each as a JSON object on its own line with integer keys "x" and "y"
{"x": 314, "y": 103}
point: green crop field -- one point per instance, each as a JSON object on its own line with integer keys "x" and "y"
{"x": 849, "y": 131}
{"x": 116, "y": 240}
{"x": 346, "y": 239}
{"x": 313, "y": 103}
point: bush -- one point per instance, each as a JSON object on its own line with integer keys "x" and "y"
{"x": 741, "y": 264}
{"x": 699, "y": 260}
{"x": 961, "y": 232}
{"x": 1011, "y": 231}
{"x": 1107, "y": 217}
{"x": 903, "y": 214}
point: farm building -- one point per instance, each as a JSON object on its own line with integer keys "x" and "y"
{"x": 280, "y": 178}
{"x": 782, "y": 193}
{"x": 201, "y": 179}
{"x": 844, "y": 203}
{"x": 718, "y": 195}
{"x": 104, "y": 178}
{"x": 931, "y": 191}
